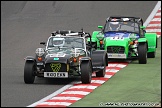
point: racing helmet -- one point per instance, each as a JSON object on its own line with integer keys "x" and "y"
{"x": 58, "y": 41}
{"x": 114, "y": 26}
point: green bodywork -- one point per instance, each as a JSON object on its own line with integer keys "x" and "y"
{"x": 149, "y": 38}
{"x": 152, "y": 41}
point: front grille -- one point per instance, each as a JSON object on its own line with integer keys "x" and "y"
{"x": 115, "y": 49}
{"x": 56, "y": 67}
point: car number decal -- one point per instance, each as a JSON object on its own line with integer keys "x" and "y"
{"x": 117, "y": 38}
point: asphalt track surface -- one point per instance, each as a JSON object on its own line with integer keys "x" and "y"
{"x": 24, "y": 24}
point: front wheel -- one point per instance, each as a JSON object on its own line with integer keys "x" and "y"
{"x": 29, "y": 70}
{"x": 86, "y": 72}
{"x": 142, "y": 53}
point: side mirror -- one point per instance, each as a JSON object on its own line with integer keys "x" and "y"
{"x": 43, "y": 43}
{"x": 142, "y": 27}
{"x": 100, "y": 36}
{"x": 101, "y": 27}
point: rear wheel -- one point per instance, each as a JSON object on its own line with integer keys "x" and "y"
{"x": 151, "y": 54}
{"x": 101, "y": 73}
{"x": 29, "y": 70}
{"x": 142, "y": 53}
{"x": 86, "y": 72}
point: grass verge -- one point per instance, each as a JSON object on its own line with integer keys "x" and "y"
{"x": 135, "y": 83}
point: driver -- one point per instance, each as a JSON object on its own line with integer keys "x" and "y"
{"x": 114, "y": 26}
{"x": 58, "y": 41}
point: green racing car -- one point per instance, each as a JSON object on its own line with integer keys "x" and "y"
{"x": 125, "y": 37}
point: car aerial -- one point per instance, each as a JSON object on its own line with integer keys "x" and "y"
{"x": 66, "y": 54}
{"x": 125, "y": 37}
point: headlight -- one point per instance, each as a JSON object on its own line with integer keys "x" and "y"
{"x": 39, "y": 51}
{"x": 100, "y": 36}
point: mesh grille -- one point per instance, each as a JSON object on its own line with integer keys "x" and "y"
{"x": 55, "y": 67}
{"x": 115, "y": 49}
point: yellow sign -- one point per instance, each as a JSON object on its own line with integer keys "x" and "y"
{"x": 55, "y": 67}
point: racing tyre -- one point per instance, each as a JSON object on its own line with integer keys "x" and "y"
{"x": 29, "y": 70}
{"x": 151, "y": 55}
{"x": 101, "y": 73}
{"x": 142, "y": 53}
{"x": 86, "y": 72}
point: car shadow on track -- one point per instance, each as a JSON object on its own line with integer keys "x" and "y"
{"x": 55, "y": 81}
{"x": 119, "y": 60}
{"x": 131, "y": 60}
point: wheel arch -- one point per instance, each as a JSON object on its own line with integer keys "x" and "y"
{"x": 30, "y": 59}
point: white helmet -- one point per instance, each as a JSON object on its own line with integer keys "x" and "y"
{"x": 58, "y": 41}
{"x": 114, "y": 25}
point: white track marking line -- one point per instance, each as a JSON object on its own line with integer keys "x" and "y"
{"x": 65, "y": 98}
{"x": 156, "y": 8}
{"x": 56, "y": 103}
{"x": 51, "y": 95}
{"x": 85, "y": 86}
{"x": 75, "y": 92}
